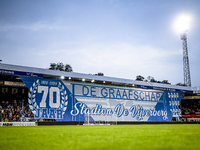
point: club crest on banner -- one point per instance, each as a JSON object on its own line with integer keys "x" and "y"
{"x": 48, "y": 99}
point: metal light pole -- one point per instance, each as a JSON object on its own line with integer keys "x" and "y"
{"x": 186, "y": 66}
{"x": 182, "y": 25}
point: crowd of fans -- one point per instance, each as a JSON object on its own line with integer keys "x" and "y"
{"x": 190, "y": 107}
{"x": 14, "y": 110}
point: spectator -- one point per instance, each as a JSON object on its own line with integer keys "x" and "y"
{"x": 12, "y": 110}
{"x": 190, "y": 107}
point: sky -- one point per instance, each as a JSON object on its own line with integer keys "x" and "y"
{"x": 120, "y": 38}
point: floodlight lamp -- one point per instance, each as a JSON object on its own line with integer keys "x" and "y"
{"x": 182, "y": 23}
{"x": 92, "y": 80}
{"x": 83, "y": 79}
{"x": 62, "y": 77}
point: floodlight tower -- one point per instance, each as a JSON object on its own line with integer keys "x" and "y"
{"x": 186, "y": 66}
{"x": 182, "y": 25}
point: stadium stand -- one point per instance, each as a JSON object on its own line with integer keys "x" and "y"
{"x": 15, "y": 110}
{"x": 14, "y": 94}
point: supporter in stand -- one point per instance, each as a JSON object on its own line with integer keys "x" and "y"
{"x": 13, "y": 111}
{"x": 190, "y": 107}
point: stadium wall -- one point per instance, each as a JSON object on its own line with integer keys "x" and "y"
{"x": 113, "y": 123}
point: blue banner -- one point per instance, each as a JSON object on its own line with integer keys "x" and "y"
{"x": 71, "y": 101}
{"x": 29, "y": 74}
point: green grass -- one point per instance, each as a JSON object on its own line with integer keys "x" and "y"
{"x": 101, "y": 137}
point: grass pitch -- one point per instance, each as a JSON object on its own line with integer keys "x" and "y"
{"x": 185, "y": 136}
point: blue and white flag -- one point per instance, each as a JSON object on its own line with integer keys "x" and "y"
{"x": 71, "y": 101}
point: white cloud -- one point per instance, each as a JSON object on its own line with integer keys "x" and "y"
{"x": 34, "y": 26}
{"x": 121, "y": 60}
{"x": 123, "y": 54}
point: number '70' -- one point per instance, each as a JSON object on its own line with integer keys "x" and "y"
{"x": 46, "y": 90}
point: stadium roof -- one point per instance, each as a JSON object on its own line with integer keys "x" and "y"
{"x": 39, "y": 72}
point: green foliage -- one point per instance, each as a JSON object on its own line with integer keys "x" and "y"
{"x": 139, "y": 78}
{"x": 60, "y": 66}
{"x": 181, "y": 84}
{"x": 150, "y": 79}
{"x": 99, "y": 74}
{"x": 52, "y": 66}
{"x": 68, "y": 68}
{"x": 185, "y": 136}
{"x": 165, "y": 82}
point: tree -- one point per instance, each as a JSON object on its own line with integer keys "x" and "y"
{"x": 99, "y": 74}
{"x": 165, "y": 82}
{"x": 52, "y": 66}
{"x": 68, "y": 68}
{"x": 139, "y": 78}
{"x": 181, "y": 84}
{"x": 151, "y": 79}
{"x": 60, "y": 66}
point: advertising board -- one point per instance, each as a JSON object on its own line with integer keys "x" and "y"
{"x": 17, "y": 124}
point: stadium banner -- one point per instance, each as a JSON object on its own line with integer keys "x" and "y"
{"x": 28, "y": 119}
{"x": 191, "y": 115}
{"x": 20, "y": 73}
{"x": 17, "y": 124}
{"x": 72, "y": 101}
